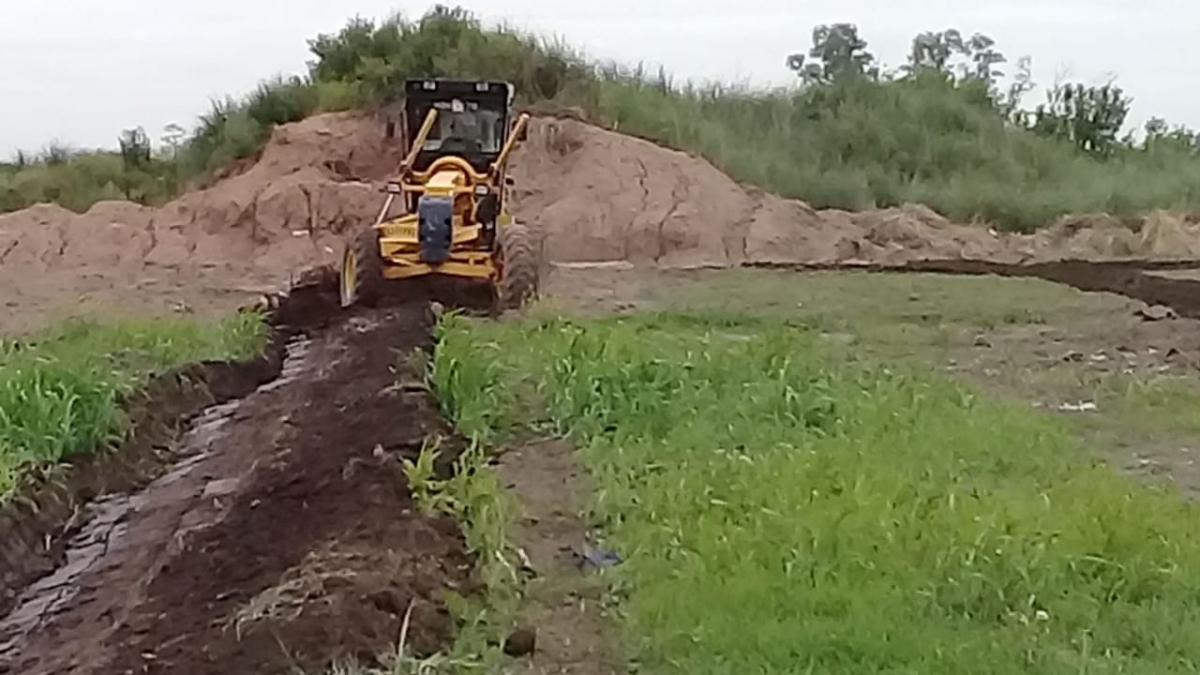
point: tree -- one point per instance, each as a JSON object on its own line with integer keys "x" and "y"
{"x": 135, "y": 148}
{"x": 173, "y": 137}
{"x": 1089, "y": 117}
{"x": 1155, "y": 127}
{"x": 1159, "y": 135}
{"x": 1021, "y": 85}
{"x": 984, "y": 57}
{"x": 137, "y": 163}
{"x": 837, "y": 54}
{"x": 932, "y": 52}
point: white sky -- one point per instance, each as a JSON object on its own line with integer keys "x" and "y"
{"x": 80, "y": 71}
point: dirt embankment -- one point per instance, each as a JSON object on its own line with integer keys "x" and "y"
{"x": 599, "y": 196}
{"x": 207, "y": 250}
{"x": 595, "y": 195}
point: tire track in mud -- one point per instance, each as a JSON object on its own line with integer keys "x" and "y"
{"x": 283, "y": 535}
{"x": 1132, "y": 278}
{"x": 115, "y": 546}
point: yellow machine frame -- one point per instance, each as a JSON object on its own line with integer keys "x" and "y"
{"x": 448, "y": 176}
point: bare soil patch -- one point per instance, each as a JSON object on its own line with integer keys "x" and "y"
{"x": 564, "y": 606}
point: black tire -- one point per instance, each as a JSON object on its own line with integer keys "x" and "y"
{"x": 361, "y": 275}
{"x": 520, "y": 269}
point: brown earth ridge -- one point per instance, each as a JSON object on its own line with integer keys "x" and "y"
{"x": 592, "y": 194}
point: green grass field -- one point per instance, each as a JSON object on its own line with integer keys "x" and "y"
{"x": 783, "y": 510}
{"x": 60, "y": 390}
{"x": 1010, "y": 337}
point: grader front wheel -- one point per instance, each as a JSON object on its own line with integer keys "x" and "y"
{"x": 519, "y": 267}
{"x": 362, "y": 270}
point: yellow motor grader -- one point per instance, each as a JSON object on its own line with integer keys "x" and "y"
{"x": 452, "y": 190}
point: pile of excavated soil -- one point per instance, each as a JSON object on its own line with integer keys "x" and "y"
{"x": 602, "y": 196}
{"x": 209, "y": 249}
{"x": 596, "y": 195}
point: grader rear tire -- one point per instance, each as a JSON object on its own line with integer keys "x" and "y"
{"x": 361, "y": 275}
{"x": 520, "y": 268}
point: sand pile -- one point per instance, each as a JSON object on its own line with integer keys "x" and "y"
{"x": 599, "y": 195}
{"x": 210, "y": 248}
{"x": 595, "y": 195}
{"x": 1160, "y": 234}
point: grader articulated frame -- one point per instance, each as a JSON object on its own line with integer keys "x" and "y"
{"x": 452, "y": 188}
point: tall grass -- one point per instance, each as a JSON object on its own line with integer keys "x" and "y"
{"x": 781, "y": 512}
{"x": 851, "y": 145}
{"x": 60, "y": 392}
{"x": 231, "y": 130}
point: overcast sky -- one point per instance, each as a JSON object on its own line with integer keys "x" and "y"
{"x": 79, "y": 71}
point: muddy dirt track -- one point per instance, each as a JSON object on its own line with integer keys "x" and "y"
{"x": 1134, "y": 279}
{"x": 283, "y": 533}
{"x": 280, "y": 531}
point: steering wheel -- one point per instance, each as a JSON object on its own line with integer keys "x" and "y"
{"x": 463, "y": 144}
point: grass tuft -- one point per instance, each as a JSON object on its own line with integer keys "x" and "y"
{"x": 60, "y": 392}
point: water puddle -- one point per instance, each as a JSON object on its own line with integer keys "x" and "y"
{"x": 104, "y": 518}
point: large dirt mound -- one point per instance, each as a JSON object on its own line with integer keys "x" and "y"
{"x": 245, "y": 234}
{"x": 595, "y": 194}
{"x": 600, "y": 196}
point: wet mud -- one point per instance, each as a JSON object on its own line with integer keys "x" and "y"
{"x": 1130, "y": 278}
{"x": 277, "y": 531}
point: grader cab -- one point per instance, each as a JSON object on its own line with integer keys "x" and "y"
{"x": 446, "y": 210}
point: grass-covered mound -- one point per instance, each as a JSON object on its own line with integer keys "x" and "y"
{"x": 849, "y": 135}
